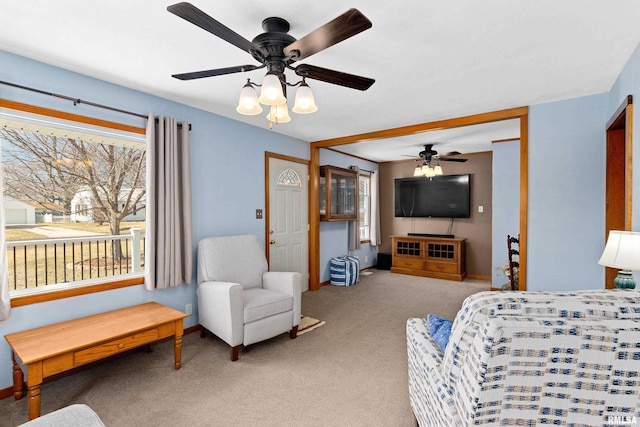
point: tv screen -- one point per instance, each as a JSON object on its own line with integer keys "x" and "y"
{"x": 443, "y": 196}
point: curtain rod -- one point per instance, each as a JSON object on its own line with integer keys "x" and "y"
{"x": 77, "y": 101}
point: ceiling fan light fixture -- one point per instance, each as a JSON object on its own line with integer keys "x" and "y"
{"x": 271, "y": 92}
{"x": 279, "y": 113}
{"x": 248, "y": 102}
{"x": 305, "y": 103}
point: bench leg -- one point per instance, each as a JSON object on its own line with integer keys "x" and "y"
{"x": 177, "y": 351}
{"x": 18, "y": 379}
{"x": 34, "y": 401}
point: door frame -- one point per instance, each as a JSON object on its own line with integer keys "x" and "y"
{"x": 270, "y": 155}
{"x": 619, "y": 175}
{"x": 521, "y": 113}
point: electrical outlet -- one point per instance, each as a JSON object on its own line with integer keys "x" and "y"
{"x": 366, "y": 258}
{"x": 189, "y": 309}
{"x": 258, "y": 213}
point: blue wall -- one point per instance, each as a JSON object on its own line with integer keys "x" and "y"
{"x": 228, "y": 183}
{"x": 566, "y": 194}
{"x": 506, "y": 205}
{"x": 334, "y": 236}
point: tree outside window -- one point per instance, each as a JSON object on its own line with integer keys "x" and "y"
{"x": 364, "y": 203}
{"x": 81, "y": 185}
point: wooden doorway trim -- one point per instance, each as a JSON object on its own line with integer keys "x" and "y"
{"x": 521, "y": 113}
{"x": 619, "y": 176}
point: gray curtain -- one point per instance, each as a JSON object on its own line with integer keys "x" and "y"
{"x": 354, "y": 235}
{"x": 169, "y": 239}
{"x": 5, "y": 301}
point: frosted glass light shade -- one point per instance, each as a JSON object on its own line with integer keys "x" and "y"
{"x": 248, "y": 103}
{"x": 622, "y": 250}
{"x": 438, "y": 170}
{"x": 305, "y": 102}
{"x": 271, "y": 92}
{"x": 417, "y": 171}
{"x": 279, "y": 113}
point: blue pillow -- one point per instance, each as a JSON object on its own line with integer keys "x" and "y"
{"x": 439, "y": 329}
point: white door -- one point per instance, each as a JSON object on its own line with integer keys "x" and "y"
{"x": 289, "y": 218}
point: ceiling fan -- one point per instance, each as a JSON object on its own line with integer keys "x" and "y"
{"x": 276, "y": 50}
{"x": 429, "y": 154}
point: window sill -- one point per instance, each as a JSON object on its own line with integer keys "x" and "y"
{"x": 51, "y": 295}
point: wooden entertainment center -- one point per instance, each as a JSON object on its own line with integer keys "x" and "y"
{"x": 439, "y": 257}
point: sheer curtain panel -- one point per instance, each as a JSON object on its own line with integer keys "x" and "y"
{"x": 5, "y": 302}
{"x": 169, "y": 240}
{"x": 374, "y": 235}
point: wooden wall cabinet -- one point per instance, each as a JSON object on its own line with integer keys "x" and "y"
{"x": 338, "y": 194}
{"x": 442, "y": 258}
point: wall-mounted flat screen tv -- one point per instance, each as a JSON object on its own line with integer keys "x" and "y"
{"x": 443, "y": 196}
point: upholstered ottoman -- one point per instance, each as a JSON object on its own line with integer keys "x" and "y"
{"x": 344, "y": 270}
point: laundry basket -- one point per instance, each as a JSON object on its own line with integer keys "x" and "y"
{"x": 345, "y": 270}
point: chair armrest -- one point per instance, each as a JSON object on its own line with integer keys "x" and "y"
{"x": 288, "y": 283}
{"x": 220, "y": 310}
{"x": 432, "y": 400}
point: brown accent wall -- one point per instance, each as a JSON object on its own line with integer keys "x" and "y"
{"x": 476, "y": 229}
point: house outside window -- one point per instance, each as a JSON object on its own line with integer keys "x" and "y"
{"x": 364, "y": 203}
{"x": 92, "y": 183}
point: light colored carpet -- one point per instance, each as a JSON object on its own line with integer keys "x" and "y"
{"x": 350, "y": 372}
{"x": 308, "y": 324}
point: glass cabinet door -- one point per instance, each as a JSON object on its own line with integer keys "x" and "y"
{"x": 338, "y": 194}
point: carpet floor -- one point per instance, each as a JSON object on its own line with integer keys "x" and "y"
{"x": 350, "y": 372}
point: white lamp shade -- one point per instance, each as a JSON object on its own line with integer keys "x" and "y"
{"x": 622, "y": 250}
{"x": 271, "y": 92}
{"x": 417, "y": 171}
{"x": 279, "y": 113}
{"x": 305, "y": 102}
{"x": 438, "y": 170}
{"x": 248, "y": 103}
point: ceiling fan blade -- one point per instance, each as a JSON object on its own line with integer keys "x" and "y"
{"x": 215, "y": 72}
{"x": 189, "y": 12}
{"x": 452, "y": 160}
{"x": 334, "y": 77}
{"x": 347, "y": 25}
{"x": 451, "y": 153}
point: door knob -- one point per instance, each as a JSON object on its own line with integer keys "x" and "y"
{"x": 272, "y": 242}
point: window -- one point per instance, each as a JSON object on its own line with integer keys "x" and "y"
{"x": 364, "y": 203}
{"x": 90, "y": 177}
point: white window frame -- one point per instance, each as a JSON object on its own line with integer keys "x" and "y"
{"x": 364, "y": 207}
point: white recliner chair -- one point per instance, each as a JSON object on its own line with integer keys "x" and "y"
{"x": 238, "y": 299}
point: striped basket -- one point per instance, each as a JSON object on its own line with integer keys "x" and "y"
{"x": 345, "y": 270}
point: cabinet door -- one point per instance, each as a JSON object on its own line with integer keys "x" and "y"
{"x": 338, "y": 194}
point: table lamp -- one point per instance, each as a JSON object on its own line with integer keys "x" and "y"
{"x": 623, "y": 252}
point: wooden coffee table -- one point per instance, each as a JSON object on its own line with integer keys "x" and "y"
{"x": 53, "y": 349}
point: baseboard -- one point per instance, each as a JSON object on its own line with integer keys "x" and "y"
{"x": 478, "y": 277}
{"x": 8, "y": 392}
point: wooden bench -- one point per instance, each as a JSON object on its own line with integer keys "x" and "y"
{"x": 50, "y": 350}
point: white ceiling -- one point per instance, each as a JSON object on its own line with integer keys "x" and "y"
{"x": 431, "y": 59}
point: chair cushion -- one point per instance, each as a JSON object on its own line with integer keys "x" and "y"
{"x": 236, "y": 259}
{"x": 261, "y": 303}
